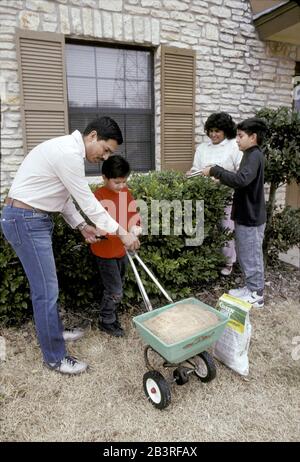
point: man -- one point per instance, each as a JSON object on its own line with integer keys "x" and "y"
{"x": 47, "y": 180}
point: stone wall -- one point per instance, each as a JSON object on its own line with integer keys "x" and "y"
{"x": 236, "y": 72}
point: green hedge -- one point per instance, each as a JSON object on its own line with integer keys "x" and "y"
{"x": 178, "y": 268}
{"x": 284, "y": 232}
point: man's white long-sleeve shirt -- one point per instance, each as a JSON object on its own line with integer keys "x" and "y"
{"x": 51, "y": 174}
{"x": 226, "y": 154}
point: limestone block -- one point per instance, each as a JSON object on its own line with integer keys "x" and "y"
{"x": 40, "y": 5}
{"x": 220, "y": 12}
{"x": 138, "y": 27}
{"x": 239, "y": 5}
{"x": 179, "y": 16}
{"x": 211, "y": 32}
{"x": 64, "y": 19}
{"x": 174, "y": 5}
{"x": 151, "y": 3}
{"x": 49, "y": 26}
{"x": 107, "y": 25}
{"x": 76, "y": 24}
{"x": 29, "y": 20}
{"x": 97, "y": 24}
{"x": 87, "y": 19}
{"x": 221, "y": 72}
{"x": 189, "y": 40}
{"x": 136, "y": 10}
{"x": 155, "y": 31}
{"x": 118, "y": 26}
{"x": 111, "y": 5}
{"x": 128, "y": 30}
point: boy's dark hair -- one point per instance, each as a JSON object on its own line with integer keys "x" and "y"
{"x": 254, "y": 125}
{"x": 115, "y": 167}
{"x": 106, "y": 129}
{"x": 221, "y": 121}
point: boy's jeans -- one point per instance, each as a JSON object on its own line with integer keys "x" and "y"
{"x": 249, "y": 240}
{"x": 29, "y": 233}
{"x": 112, "y": 273}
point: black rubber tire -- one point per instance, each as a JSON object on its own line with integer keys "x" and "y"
{"x": 210, "y": 366}
{"x": 180, "y": 375}
{"x": 161, "y": 397}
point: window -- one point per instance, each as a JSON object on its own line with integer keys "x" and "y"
{"x": 117, "y": 82}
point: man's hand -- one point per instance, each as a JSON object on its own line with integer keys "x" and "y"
{"x": 101, "y": 232}
{"x": 90, "y": 233}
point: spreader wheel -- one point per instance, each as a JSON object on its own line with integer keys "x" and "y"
{"x": 157, "y": 389}
{"x": 205, "y": 368}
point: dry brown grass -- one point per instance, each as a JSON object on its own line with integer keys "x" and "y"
{"x": 108, "y": 403}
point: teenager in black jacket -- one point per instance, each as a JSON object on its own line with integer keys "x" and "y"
{"x": 248, "y": 209}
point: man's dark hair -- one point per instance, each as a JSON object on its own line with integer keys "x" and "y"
{"x": 221, "y": 121}
{"x": 254, "y": 125}
{"x": 106, "y": 129}
{"x": 115, "y": 167}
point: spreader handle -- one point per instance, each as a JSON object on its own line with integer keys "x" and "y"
{"x": 140, "y": 284}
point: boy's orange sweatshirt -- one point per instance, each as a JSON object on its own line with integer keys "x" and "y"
{"x": 122, "y": 207}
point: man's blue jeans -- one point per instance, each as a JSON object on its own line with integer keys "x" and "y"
{"x": 30, "y": 234}
{"x": 249, "y": 241}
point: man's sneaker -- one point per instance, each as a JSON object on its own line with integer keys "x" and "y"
{"x": 256, "y": 300}
{"x": 68, "y": 365}
{"x": 70, "y": 335}
{"x": 114, "y": 328}
{"x": 239, "y": 292}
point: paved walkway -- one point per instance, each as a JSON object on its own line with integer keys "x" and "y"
{"x": 292, "y": 256}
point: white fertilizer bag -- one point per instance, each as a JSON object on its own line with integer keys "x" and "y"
{"x": 233, "y": 345}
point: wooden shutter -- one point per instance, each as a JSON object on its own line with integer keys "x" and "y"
{"x": 292, "y": 197}
{"x": 178, "y": 108}
{"x": 43, "y": 86}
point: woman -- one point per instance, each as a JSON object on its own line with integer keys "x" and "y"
{"x": 222, "y": 150}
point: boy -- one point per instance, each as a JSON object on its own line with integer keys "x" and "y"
{"x": 110, "y": 252}
{"x": 248, "y": 209}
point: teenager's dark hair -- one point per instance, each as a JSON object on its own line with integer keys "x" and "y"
{"x": 221, "y": 121}
{"x": 106, "y": 129}
{"x": 116, "y": 167}
{"x": 254, "y": 125}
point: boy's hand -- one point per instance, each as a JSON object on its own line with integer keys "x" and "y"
{"x": 130, "y": 241}
{"x": 136, "y": 230}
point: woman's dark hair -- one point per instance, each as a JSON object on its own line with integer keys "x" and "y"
{"x": 115, "y": 167}
{"x": 254, "y": 125}
{"x": 221, "y": 121}
{"x": 106, "y": 129}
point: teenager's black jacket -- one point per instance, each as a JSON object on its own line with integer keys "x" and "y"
{"x": 248, "y": 207}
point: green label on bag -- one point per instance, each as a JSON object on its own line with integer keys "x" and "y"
{"x": 237, "y": 311}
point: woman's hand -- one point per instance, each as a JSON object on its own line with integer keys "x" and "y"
{"x": 206, "y": 171}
